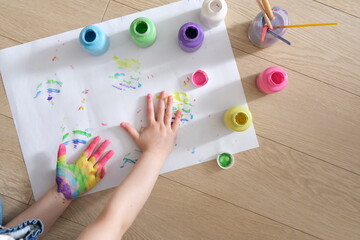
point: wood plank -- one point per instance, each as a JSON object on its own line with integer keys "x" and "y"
{"x": 350, "y": 6}
{"x": 173, "y": 208}
{"x": 29, "y": 20}
{"x": 116, "y": 10}
{"x": 284, "y": 185}
{"x": 4, "y": 104}
{"x": 64, "y": 229}
{"x": 329, "y": 54}
{"x": 11, "y": 208}
{"x": 14, "y": 181}
{"x": 308, "y": 115}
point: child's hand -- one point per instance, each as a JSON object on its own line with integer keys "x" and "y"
{"x": 159, "y": 136}
{"x": 81, "y": 176}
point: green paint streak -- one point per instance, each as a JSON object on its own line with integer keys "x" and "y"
{"x": 127, "y": 82}
{"x": 82, "y": 133}
{"x": 225, "y": 159}
{"x": 55, "y": 82}
{"x": 65, "y": 136}
{"x": 38, "y": 86}
{"x": 187, "y": 111}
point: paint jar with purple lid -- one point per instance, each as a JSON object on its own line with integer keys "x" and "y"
{"x": 94, "y": 40}
{"x": 281, "y": 18}
{"x": 191, "y": 37}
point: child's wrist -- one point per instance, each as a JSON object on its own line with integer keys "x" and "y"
{"x": 155, "y": 156}
{"x": 59, "y": 196}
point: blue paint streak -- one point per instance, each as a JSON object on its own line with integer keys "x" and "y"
{"x": 37, "y": 94}
{"x": 77, "y": 141}
{"x": 53, "y": 90}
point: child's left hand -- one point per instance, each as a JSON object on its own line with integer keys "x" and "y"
{"x": 81, "y": 176}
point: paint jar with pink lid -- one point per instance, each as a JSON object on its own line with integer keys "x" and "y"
{"x": 273, "y": 79}
{"x": 199, "y": 78}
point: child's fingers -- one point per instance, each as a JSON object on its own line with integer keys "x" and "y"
{"x": 131, "y": 131}
{"x": 161, "y": 107}
{"x": 92, "y": 146}
{"x": 100, "y": 150}
{"x": 102, "y": 162}
{"x": 103, "y": 172}
{"x": 62, "y": 153}
{"x": 150, "y": 109}
{"x": 168, "y": 111}
{"x": 176, "y": 122}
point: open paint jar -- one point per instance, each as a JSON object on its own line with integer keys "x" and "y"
{"x": 225, "y": 160}
{"x": 199, "y": 78}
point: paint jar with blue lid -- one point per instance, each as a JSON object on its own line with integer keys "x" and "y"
{"x": 94, "y": 40}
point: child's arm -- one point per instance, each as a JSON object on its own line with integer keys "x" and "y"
{"x": 72, "y": 180}
{"x": 48, "y": 209}
{"x": 156, "y": 142}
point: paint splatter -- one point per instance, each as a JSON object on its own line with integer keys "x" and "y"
{"x": 130, "y": 76}
{"x": 83, "y": 99}
{"x": 183, "y": 102}
{"x": 138, "y": 111}
{"x": 75, "y": 137}
{"x": 131, "y": 158}
{"x": 104, "y": 124}
{"x": 193, "y": 150}
{"x": 52, "y": 86}
{"x": 72, "y": 67}
{"x": 186, "y": 82}
{"x": 54, "y": 58}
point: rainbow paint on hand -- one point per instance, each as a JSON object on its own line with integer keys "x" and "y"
{"x": 81, "y": 176}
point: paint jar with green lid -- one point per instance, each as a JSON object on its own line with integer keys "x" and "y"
{"x": 225, "y": 160}
{"x": 238, "y": 118}
{"x": 143, "y": 32}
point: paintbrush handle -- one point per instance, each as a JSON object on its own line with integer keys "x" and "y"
{"x": 268, "y": 9}
{"x": 306, "y": 25}
{"x": 267, "y": 20}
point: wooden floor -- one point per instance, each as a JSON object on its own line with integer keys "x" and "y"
{"x": 304, "y": 180}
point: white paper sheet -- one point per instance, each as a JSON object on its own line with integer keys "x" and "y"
{"x": 89, "y": 102}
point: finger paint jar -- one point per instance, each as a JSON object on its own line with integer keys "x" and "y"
{"x": 281, "y": 18}
{"x": 213, "y": 12}
{"x": 225, "y": 160}
{"x": 143, "y": 32}
{"x": 191, "y": 37}
{"x": 272, "y": 79}
{"x": 94, "y": 40}
{"x": 199, "y": 78}
{"x": 238, "y": 118}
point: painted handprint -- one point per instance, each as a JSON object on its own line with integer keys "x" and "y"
{"x": 81, "y": 176}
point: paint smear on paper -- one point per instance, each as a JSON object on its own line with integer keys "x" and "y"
{"x": 129, "y": 78}
{"x": 54, "y": 58}
{"x": 83, "y": 99}
{"x": 103, "y": 124}
{"x": 75, "y": 137}
{"x": 186, "y": 82}
{"x": 131, "y": 158}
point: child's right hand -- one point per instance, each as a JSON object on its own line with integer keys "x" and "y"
{"x": 159, "y": 136}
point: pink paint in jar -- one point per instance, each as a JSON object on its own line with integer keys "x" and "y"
{"x": 273, "y": 79}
